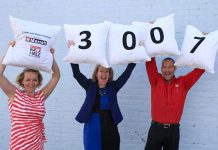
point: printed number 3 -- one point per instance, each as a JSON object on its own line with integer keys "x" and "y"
{"x": 86, "y": 39}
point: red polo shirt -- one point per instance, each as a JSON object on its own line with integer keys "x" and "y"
{"x": 168, "y": 98}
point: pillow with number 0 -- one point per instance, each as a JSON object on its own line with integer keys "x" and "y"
{"x": 160, "y": 36}
{"x": 124, "y": 44}
{"x": 90, "y": 43}
{"x": 33, "y": 43}
{"x": 198, "y": 50}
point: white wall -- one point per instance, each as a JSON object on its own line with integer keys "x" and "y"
{"x": 199, "y": 125}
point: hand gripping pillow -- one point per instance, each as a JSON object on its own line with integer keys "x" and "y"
{"x": 90, "y": 43}
{"x": 198, "y": 50}
{"x": 33, "y": 43}
{"x": 124, "y": 44}
{"x": 160, "y": 37}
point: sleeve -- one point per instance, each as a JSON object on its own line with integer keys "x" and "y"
{"x": 81, "y": 79}
{"x": 122, "y": 79}
{"x": 192, "y": 77}
{"x": 152, "y": 70}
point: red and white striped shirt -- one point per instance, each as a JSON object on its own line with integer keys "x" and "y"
{"x": 27, "y": 128}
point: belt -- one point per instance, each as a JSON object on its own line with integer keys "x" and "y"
{"x": 165, "y": 125}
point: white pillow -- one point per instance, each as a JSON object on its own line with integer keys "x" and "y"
{"x": 90, "y": 43}
{"x": 198, "y": 56}
{"x": 124, "y": 45}
{"x": 33, "y": 43}
{"x": 160, "y": 36}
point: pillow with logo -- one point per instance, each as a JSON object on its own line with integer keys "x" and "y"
{"x": 198, "y": 50}
{"x": 89, "y": 43}
{"x": 33, "y": 43}
{"x": 124, "y": 44}
{"x": 160, "y": 36}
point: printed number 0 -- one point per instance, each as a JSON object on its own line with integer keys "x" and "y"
{"x": 86, "y": 39}
{"x": 201, "y": 39}
{"x": 125, "y": 40}
{"x": 153, "y": 37}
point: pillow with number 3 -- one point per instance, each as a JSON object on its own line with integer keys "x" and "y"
{"x": 89, "y": 43}
{"x": 198, "y": 50}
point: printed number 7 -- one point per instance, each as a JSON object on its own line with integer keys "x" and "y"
{"x": 201, "y": 39}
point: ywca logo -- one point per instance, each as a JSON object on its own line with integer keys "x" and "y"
{"x": 35, "y": 51}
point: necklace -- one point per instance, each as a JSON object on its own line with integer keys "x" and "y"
{"x": 102, "y": 91}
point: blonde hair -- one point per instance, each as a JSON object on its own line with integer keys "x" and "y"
{"x": 111, "y": 73}
{"x": 20, "y": 77}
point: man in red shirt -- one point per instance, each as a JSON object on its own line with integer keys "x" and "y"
{"x": 168, "y": 95}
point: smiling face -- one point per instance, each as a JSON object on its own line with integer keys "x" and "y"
{"x": 102, "y": 76}
{"x": 30, "y": 82}
{"x": 168, "y": 69}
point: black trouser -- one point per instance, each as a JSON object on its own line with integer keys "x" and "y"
{"x": 161, "y": 136}
{"x": 109, "y": 132}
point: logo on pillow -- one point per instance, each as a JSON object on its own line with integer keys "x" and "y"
{"x": 33, "y": 43}
{"x": 35, "y": 51}
{"x": 37, "y": 41}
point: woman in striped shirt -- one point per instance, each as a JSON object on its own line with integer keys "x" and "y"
{"x": 26, "y": 106}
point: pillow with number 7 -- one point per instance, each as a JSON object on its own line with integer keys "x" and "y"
{"x": 198, "y": 50}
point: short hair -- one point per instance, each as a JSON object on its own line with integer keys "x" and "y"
{"x": 20, "y": 77}
{"x": 111, "y": 73}
{"x": 168, "y": 58}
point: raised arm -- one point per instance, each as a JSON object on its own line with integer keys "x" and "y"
{"x": 192, "y": 77}
{"x": 49, "y": 87}
{"x": 81, "y": 79}
{"x": 124, "y": 76}
{"x": 152, "y": 70}
{"x": 5, "y": 84}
